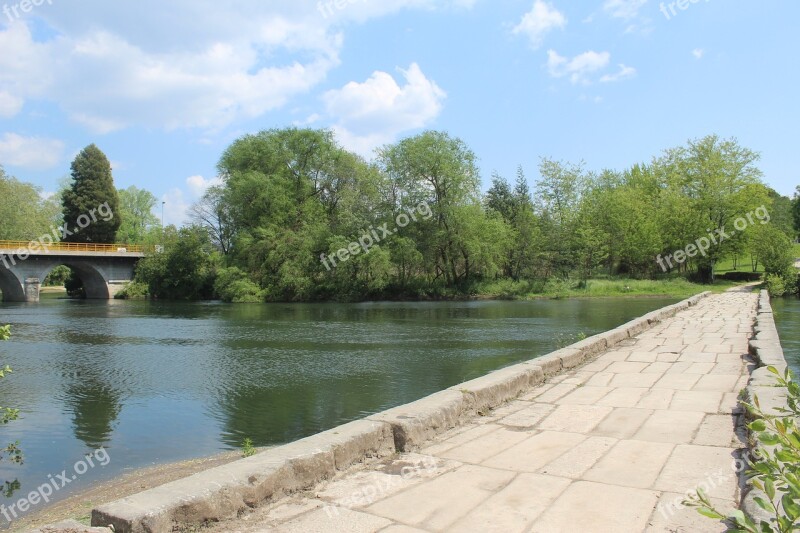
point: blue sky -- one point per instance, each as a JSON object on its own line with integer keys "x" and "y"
{"x": 164, "y": 89}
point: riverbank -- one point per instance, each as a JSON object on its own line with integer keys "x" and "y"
{"x": 599, "y": 288}
{"x": 553, "y": 289}
{"x": 79, "y": 506}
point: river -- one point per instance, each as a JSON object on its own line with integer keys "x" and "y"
{"x": 154, "y": 382}
{"x": 787, "y": 319}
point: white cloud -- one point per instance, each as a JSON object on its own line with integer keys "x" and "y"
{"x": 624, "y": 9}
{"x": 30, "y": 152}
{"x": 375, "y": 112}
{"x": 198, "y": 184}
{"x": 698, "y": 53}
{"x": 539, "y": 21}
{"x": 175, "y": 207}
{"x": 141, "y": 64}
{"x": 177, "y": 201}
{"x": 624, "y": 73}
{"x": 10, "y": 105}
{"x": 579, "y": 67}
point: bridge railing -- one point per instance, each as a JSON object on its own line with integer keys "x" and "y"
{"x": 23, "y": 246}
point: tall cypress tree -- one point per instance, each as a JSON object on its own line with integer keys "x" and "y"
{"x": 86, "y": 200}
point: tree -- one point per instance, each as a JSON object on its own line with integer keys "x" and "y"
{"x": 26, "y": 215}
{"x": 559, "y": 193}
{"x": 136, "y": 214}
{"x": 441, "y": 171}
{"x": 796, "y": 211}
{"x": 91, "y": 190}
{"x": 185, "y": 270}
{"x": 287, "y": 194}
{"x": 721, "y": 182}
{"x": 214, "y": 213}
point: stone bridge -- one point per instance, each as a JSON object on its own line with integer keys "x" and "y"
{"x": 104, "y": 268}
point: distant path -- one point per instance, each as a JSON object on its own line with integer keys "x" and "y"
{"x": 611, "y": 447}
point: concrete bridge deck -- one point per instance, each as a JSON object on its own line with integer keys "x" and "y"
{"x": 611, "y": 447}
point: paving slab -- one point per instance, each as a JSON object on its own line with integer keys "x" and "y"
{"x": 587, "y": 506}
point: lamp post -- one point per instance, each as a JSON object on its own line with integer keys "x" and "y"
{"x": 162, "y": 214}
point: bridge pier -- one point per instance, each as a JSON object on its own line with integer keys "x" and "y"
{"x": 32, "y": 288}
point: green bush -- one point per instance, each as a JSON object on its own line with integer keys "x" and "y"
{"x": 741, "y": 276}
{"x": 776, "y": 285}
{"x": 777, "y": 470}
{"x": 234, "y": 285}
{"x": 783, "y": 283}
{"x": 185, "y": 270}
{"x": 133, "y": 291}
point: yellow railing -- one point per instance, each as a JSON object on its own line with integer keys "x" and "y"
{"x": 36, "y": 246}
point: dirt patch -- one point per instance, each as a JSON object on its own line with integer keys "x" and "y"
{"x": 79, "y": 506}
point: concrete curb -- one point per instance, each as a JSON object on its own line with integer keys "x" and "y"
{"x": 766, "y": 348}
{"x": 227, "y": 490}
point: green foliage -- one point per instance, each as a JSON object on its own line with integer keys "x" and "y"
{"x": 773, "y": 249}
{"x": 135, "y": 214}
{"x": 92, "y": 187}
{"x": 290, "y": 198}
{"x": 135, "y": 290}
{"x": 185, "y": 270}
{"x": 74, "y": 285}
{"x": 796, "y": 211}
{"x": 777, "y": 470}
{"x": 25, "y": 215}
{"x": 214, "y": 213}
{"x": 233, "y": 285}
{"x": 11, "y": 452}
{"x": 248, "y": 450}
{"x": 58, "y": 276}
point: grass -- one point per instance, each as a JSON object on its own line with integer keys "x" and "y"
{"x": 797, "y": 251}
{"x": 598, "y": 288}
{"x": 744, "y": 265}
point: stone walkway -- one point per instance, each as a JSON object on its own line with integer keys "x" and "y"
{"x": 611, "y": 447}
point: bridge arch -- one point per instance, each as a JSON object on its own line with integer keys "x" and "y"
{"x": 13, "y": 288}
{"x": 94, "y": 282}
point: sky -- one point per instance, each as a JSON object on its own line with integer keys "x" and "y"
{"x": 164, "y": 87}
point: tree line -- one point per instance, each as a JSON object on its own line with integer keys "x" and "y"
{"x": 290, "y": 198}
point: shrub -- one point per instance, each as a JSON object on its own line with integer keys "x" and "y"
{"x": 776, "y": 285}
{"x": 777, "y": 471}
{"x": 741, "y": 276}
{"x": 133, "y": 290}
{"x": 234, "y": 285}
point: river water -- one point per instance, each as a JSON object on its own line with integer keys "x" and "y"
{"x": 155, "y": 382}
{"x": 787, "y": 319}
